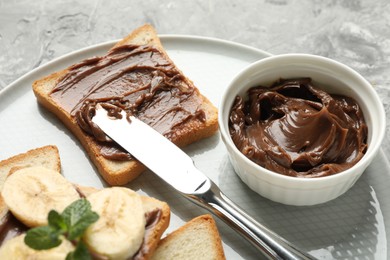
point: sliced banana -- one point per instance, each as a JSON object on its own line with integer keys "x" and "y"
{"x": 119, "y": 232}
{"x": 30, "y": 193}
{"x": 15, "y": 248}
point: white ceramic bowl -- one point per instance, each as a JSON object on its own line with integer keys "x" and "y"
{"x": 329, "y": 75}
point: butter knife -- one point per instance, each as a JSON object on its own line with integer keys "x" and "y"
{"x": 175, "y": 167}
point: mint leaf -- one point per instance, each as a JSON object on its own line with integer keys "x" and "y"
{"x": 56, "y": 221}
{"x": 80, "y": 253}
{"x": 77, "y": 229}
{"x": 75, "y": 211}
{"x": 41, "y": 238}
{"x": 78, "y": 216}
{"x": 72, "y": 223}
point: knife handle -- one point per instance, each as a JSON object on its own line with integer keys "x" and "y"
{"x": 270, "y": 244}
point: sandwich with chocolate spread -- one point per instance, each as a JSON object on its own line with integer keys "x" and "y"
{"x": 129, "y": 225}
{"x": 136, "y": 75}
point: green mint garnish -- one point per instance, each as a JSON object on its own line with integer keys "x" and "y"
{"x": 71, "y": 224}
{"x": 56, "y": 221}
{"x": 81, "y": 252}
{"x": 41, "y": 238}
{"x": 77, "y": 217}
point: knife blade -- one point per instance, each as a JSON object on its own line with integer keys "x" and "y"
{"x": 175, "y": 167}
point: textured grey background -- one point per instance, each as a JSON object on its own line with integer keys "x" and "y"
{"x": 354, "y": 32}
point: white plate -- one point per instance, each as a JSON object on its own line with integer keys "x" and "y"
{"x": 354, "y": 225}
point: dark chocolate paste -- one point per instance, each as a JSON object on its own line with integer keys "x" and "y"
{"x": 10, "y": 227}
{"x": 137, "y": 79}
{"x": 152, "y": 218}
{"x": 295, "y": 129}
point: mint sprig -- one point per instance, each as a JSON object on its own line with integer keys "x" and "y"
{"x": 81, "y": 252}
{"x": 42, "y": 238}
{"x": 71, "y": 224}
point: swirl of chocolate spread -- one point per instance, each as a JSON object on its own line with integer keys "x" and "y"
{"x": 295, "y": 129}
{"x": 137, "y": 79}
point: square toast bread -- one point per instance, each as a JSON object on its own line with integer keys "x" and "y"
{"x": 121, "y": 172}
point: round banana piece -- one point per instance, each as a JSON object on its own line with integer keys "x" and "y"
{"x": 119, "y": 231}
{"x": 15, "y": 248}
{"x": 30, "y": 193}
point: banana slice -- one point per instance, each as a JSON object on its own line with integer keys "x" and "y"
{"x": 119, "y": 232}
{"x": 30, "y": 193}
{"x": 15, "y": 248}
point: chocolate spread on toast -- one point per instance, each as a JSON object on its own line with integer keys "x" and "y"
{"x": 295, "y": 129}
{"x": 137, "y": 79}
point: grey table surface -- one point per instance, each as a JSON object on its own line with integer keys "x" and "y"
{"x": 355, "y": 32}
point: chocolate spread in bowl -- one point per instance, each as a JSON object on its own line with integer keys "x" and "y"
{"x": 138, "y": 79}
{"x": 295, "y": 129}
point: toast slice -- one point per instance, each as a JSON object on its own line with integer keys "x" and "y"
{"x": 48, "y": 156}
{"x": 117, "y": 172}
{"x": 197, "y": 239}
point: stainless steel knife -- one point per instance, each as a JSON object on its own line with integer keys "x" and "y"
{"x": 174, "y": 166}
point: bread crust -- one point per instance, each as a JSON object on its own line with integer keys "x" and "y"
{"x": 204, "y": 235}
{"x": 47, "y": 155}
{"x": 122, "y": 172}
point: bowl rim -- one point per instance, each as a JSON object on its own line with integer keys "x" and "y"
{"x": 301, "y": 57}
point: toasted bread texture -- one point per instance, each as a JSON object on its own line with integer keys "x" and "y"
{"x": 121, "y": 172}
{"x": 197, "y": 239}
{"x": 48, "y": 156}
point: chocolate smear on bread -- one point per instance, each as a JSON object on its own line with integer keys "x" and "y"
{"x": 137, "y": 79}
